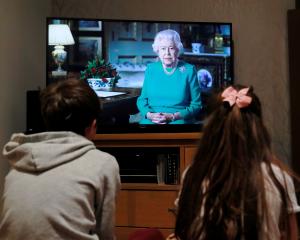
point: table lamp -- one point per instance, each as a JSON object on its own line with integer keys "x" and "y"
{"x": 58, "y": 36}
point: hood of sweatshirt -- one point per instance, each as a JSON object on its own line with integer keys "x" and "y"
{"x": 43, "y": 151}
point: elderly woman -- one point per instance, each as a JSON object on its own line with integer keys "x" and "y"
{"x": 171, "y": 92}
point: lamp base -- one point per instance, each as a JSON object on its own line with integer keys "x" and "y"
{"x": 59, "y": 73}
{"x": 59, "y": 56}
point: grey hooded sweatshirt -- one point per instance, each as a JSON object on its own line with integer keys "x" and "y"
{"x": 59, "y": 187}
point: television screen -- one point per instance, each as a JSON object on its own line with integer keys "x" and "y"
{"x": 143, "y": 85}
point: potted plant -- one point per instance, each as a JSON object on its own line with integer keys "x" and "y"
{"x": 100, "y": 74}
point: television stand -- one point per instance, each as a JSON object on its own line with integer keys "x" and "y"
{"x": 147, "y": 203}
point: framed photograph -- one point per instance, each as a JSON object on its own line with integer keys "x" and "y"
{"x": 149, "y": 30}
{"x": 86, "y": 25}
{"x": 84, "y": 50}
{"x": 211, "y": 69}
{"x": 127, "y": 31}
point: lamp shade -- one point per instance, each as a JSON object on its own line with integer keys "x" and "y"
{"x": 60, "y": 34}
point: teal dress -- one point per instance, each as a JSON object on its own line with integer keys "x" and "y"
{"x": 177, "y": 92}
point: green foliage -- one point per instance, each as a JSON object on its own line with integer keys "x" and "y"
{"x": 98, "y": 68}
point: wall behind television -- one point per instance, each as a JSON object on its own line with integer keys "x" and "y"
{"x": 259, "y": 34}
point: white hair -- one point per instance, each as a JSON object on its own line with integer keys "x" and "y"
{"x": 170, "y": 35}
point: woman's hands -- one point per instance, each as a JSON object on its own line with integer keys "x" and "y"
{"x": 160, "y": 118}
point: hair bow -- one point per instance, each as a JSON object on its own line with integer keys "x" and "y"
{"x": 239, "y": 98}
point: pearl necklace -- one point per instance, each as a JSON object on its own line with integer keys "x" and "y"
{"x": 172, "y": 71}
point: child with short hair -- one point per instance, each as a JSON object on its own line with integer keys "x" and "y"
{"x": 236, "y": 188}
{"x": 60, "y": 186}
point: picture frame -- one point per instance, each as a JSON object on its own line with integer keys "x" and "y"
{"x": 87, "y": 25}
{"x": 217, "y": 67}
{"x": 149, "y": 31}
{"x": 84, "y": 50}
{"x": 127, "y": 31}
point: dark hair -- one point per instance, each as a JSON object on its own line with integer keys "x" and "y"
{"x": 69, "y": 105}
{"x": 225, "y": 181}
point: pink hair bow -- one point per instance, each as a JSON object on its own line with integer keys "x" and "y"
{"x": 239, "y": 98}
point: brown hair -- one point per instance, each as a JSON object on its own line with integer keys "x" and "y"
{"x": 225, "y": 181}
{"x": 69, "y": 105}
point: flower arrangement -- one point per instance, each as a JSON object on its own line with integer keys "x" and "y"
{"x": 98, "y": 68}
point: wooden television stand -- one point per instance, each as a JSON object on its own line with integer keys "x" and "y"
{"x": 144, "y": 205}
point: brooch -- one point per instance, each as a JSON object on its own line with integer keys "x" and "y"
{"x": 182, "y": 69}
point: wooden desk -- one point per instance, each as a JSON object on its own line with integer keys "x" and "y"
{"x": 131, "y": 93}
{"x": 116, "y": 109}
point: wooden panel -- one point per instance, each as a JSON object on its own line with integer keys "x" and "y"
{"x": 179, "y": 137}
{"x": 189, "y": 155}
{"x": 122, "y": 233}
{"x": 146, "y": 209}
{"x": 149, "y": 186}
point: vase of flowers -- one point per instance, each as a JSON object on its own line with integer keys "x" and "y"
{"x": 100, "y": 74}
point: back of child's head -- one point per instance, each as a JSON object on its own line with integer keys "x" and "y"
{"x": 236, "y": 127}
{"x": 69, "y": 105}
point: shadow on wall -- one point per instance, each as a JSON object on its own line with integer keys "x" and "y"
{"x": 4, "y": 168}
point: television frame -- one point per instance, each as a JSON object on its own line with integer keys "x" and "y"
{"x": 90, "y": 32}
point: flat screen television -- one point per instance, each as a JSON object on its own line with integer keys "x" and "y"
{"x": 127, "y": 46}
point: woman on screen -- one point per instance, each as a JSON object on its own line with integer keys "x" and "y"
{"x": 171, "y": 92}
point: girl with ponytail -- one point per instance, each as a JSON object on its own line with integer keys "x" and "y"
{"x": 236, "y": 188}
